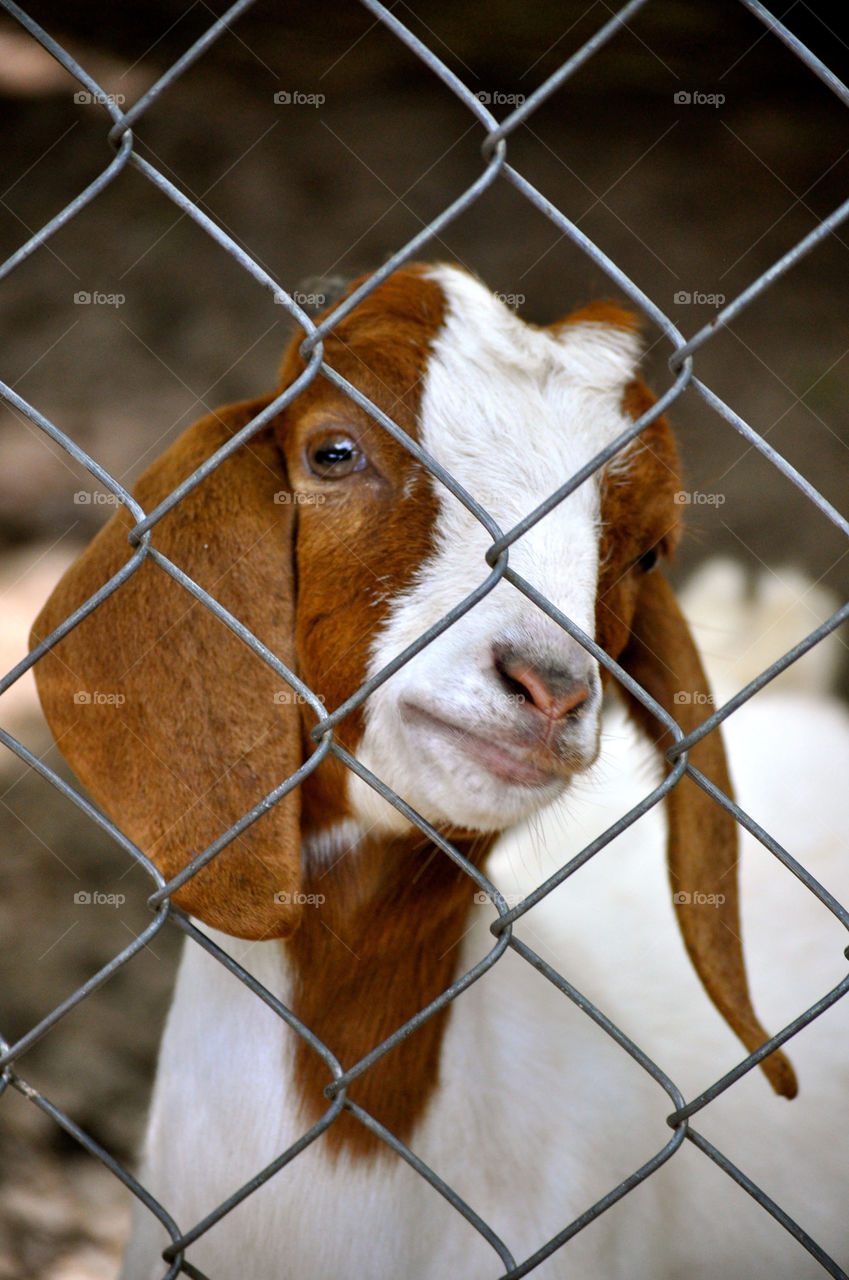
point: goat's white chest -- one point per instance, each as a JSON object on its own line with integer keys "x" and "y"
{"x": 491, "y": 1133}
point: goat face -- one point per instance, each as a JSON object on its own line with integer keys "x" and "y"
{"x": 354, "y": 560}
{"x": 495, "y": 715}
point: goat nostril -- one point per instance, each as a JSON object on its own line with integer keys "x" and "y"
{"x": 555, "y": 694}
{"x": 567, "y": 704}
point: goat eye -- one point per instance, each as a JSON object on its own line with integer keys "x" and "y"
{"x": 334, "y": 457}
{"x": 647, "y": 561}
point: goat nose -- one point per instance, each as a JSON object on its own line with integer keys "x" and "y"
{"x": 554, "y": 692}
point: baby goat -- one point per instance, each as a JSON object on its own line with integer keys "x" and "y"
{"x": 337, "y": 549}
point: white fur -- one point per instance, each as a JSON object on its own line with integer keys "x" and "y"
{"x": 511, "y": 412}
{"x": 325, "y": 847}
{"x": 538, "y": 1113}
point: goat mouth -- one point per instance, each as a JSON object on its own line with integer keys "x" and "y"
{"x": 515, "y": 764}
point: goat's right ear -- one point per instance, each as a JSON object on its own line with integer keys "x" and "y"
{"x": 173, "y": 723}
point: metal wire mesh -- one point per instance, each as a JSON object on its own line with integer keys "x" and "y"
{"x": 494, "y": 169}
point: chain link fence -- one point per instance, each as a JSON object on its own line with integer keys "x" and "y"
{"x": 495, "y": 168}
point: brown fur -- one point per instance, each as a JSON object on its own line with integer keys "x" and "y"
{"x": 199, "y": 738}
{"x": 382, "y": 946}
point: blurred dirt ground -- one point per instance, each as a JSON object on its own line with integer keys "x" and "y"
{"x": 689, "y": 198}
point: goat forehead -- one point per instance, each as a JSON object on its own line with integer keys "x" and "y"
{"x": 513, "y": 411}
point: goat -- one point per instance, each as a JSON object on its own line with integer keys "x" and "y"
{"x": 335, "y": 546}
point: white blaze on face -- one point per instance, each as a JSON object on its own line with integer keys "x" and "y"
{"x": 511, "y": 412}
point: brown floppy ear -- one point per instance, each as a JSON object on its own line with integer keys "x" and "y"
{"x": 173, "y": 723}
{"x": 702, "y": 853}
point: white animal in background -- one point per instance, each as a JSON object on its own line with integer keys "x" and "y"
{"x": 337, "y": 549}
{"x": 26, "y": 577}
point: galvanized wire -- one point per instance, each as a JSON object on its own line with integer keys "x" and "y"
{"x": 495, "y": 566}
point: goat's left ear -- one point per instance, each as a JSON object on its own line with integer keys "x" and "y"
{"x": 173, "y": 723}
{"x": 640, "y": 624}
{"x": 702, "y": 850}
